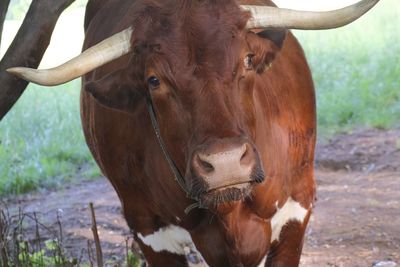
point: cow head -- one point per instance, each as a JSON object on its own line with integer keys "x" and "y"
{"x": 200, "y": 64}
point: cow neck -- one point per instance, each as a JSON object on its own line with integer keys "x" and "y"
{"x": 177, "y": 174}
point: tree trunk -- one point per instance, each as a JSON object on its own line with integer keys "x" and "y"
{"x": 3, "y": 13}
{"x": 28, "y": 48}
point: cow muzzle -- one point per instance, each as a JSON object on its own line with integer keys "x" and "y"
{"x": 224, "y": 171}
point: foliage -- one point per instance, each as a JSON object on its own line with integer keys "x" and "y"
{"x": 132, "y": 260}
{"x": 42, "y": 144}
{"x": 50, "y": 255}
{"x": 356, "y": 71}
{"x": 18, "y": 247}
{"x": 18, "y": 8}
{"x": 26, "y": 242}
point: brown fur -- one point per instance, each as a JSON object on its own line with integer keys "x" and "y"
{"x": 197, "y": 49}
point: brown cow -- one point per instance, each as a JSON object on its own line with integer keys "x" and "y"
{"x": 205, "y": 128}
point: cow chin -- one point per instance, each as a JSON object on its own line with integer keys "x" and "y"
{"x": 225, "y": 195}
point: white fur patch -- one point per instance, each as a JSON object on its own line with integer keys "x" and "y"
{"x": 262, "y": 263}
{"x": 171, "y": 238}
{"x": 292, "y": 210}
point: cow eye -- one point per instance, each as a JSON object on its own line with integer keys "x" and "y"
{"x": 248, "y": 61}
{"x": 153, "y": 82}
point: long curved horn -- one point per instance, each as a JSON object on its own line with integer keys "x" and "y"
{"x": 109, "y": 49}
{"x": 273, "y": 17}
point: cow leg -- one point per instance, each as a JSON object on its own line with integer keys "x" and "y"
{"x": 287, "y": 250}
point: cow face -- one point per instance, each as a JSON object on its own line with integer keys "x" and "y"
{"x": 201, "y": 69}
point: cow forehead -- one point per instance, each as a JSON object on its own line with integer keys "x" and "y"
{"x": 203, "y": 60}
{"x": 205, "y": 35}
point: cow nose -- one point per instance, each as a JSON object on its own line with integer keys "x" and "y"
{"x": 236, "y": 157}
{"x": 226, "y": 165}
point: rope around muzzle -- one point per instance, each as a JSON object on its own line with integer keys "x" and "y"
{"x": 177, "y": 174}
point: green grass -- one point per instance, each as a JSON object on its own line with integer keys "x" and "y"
{"x": 42, "y": 143}
{"x": 20, "y": 247}
{"x": 356, "y": 70}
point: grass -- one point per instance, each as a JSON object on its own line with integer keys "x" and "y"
{"x": 42, "y": 144}
{"x": 25, "y": 241}
{"x": 356, "y": 71}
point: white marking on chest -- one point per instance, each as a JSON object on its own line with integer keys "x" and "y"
{"x": 171, "y": 238}
{"x": 262, "y": 263}
{"x": 290, "y": 211}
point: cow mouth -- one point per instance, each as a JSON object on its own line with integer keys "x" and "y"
{"x": 226, "y": 194}
{"x": 212, "y": 195}
{"x": 238, "y": 185}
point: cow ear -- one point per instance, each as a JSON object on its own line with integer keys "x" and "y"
{"x": 268, "y": 44}
{"x": 276, "y": 36}
{"x": 116, "y": 91}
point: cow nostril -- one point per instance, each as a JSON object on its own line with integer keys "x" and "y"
{"x": 245, "y": 159}
{"x": 244, "y": 155}
{"x": 206, "y": 166}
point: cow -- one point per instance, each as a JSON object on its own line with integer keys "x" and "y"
{"x": 202, "y": 115}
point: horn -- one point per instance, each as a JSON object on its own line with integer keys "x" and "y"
{"x": 273, "y": 17}
{"x": 98, "y": 55}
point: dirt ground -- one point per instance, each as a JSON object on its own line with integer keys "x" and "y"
{"x": 356, "y": 220}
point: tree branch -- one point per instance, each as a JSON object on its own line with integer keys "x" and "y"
{"x": 99, "y": 253}
{"x": 28, "y": 48}
{"x": 3, "y": 13}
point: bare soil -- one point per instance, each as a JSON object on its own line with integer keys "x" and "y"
{"x": 356, "y": 220}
